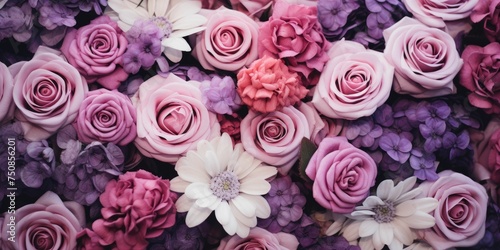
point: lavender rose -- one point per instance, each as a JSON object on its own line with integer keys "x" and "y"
{"x": 436, "y": 13}
{"x": 96, "y": 51}
{"x": 461, "y": 212}
{"x": 355, "y": 82}
{"x": 425, "y": 59}
{"x": 275, "y": 137}
{"x": 49, "y": 223}
{"x": 342, "y": 174}
{"x": 48, "y": 92}
{"x": 171, "y": 118}
{"x": 6, "y": 88}
{"x": 106, "y": 116}
{"x": 481, "y": 75}
{"x": 229, "y": 41}
{"x": 259, "y": 238}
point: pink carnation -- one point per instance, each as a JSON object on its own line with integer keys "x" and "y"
{"x": 268, "y": 86}
{"x": 294, "y": 34}
{"x": 137, "y": 207}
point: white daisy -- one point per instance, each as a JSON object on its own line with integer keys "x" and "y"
{"x": 390, "y": 217}
{"x": 176, "y": 18}
{"x": 231, "y": 182}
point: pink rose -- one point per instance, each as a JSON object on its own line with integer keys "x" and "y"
{"x": 275, "y": 137}
{"x": 268, "y": 86}
{"x": 230, "y": 124}
{"x": 88, "y": 240}
{"x": 137, "y": 207}
{"x": 96, "y": 50}
{"x": 229, "y": 41}
{"x": 320, "y": 127}
{"x": 6, "y": 90}
{"x": 436, "y": 13}
{"x": 426, "y": 59}
{"x": 47, "y": 224}
{"x": 342, "y": 174}
{"x": 481, "y": 75}
{"x": 355, "y": 82}
{"x": 461, "y": 212}
{"x": 48, "y": 92}
{"x": 171, "y": 118}
{"x": 294, "y": 34}
{"x": 251, "y": 7}
{"x": 489, "y": 11}
{"x": 106, "y": 116}
{"x": 259, "y": 238}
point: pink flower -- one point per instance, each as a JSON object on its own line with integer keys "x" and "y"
{"x": 230, "y": 124}
{"x": 251, "y": 7}
{"x": 275, "y": 137}
{"x": 229, "y": 41}
{"x": 425, "y": 59}
{"x": 6, "y": 88}
{"x": 489, "y": 11}
{"x": 48, "y": 223}
{"x": 355, "y": 82}
{"x": 268, "y": 86}
{"x": 320, "y": 127}
{"x": 294, "y": 34}
{"x": 342, "y": 174}
{"x": 48, "y": 92}
{"x": 436, "y": 13}
{"x": 171, "y": 118}
{"x": 481, "y": 75}
{"x": 260, "y": 239}
{"x": 461, "y": 212}
{"x": 96, "y": 50}
{"x": 137, "y": 207}
{"x": 88, "y": 240}
{"x": 106, "y": 116}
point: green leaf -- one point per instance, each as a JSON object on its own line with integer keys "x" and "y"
{"x": 307, "y": 149}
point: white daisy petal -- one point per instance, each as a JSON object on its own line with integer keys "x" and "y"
{"x": 178, "y": 185}
{"x": 386, "y": 233}
{"x": 198, "y": 190}
{"x": 241, "y": 218}
{"x": 191, "y": 172}
{"x": 196, "y": 215}
{"x": 172, "y": 54}
{"x": 368, "y": 228}
{"x": 151, "y": 7}
{"x": 406, "y": 208}
{"x": 243, "y": 232}
{"x": 189, "y": 22}
{"x": 396, "y": 245}
{"x": 212, "y": 163}
{"x": 419, "y": 220}
{"x": 184, "y": 8}
{"x": 403, "y": 232}
{"x": 176, "y": 43}
{"x": 262, "y": 208}
{"x": 350, "y": 230}
{"x": 186, "y": 32}
{"x": 427, "y": 204}
{"x": 224, "y": 149}
{"x": 222, "y": 213}
{"x": 372, "y": 201}
{"x": 161, "y": 8}
{"x": 255, "y": 187}
{"x": 377, "y": 240}
{"x": 208, "y": 202}
{"x": 262, "y": 173}
{"x": 384, "y": 189}
{"x": 183, "y": 204}
{"x": 243, "y": 206}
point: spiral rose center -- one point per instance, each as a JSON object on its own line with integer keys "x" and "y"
{"x": 42, "y": 240}
{"x": 384, "y": 213}
{"x": 175, "y": 119}
{"x": 164, "y": 25}
{"x": 225, "y": 185}
{"x": 273, "y": 131}
{"x": 428, "y": 55}
{"x": 229, "y": 40}
{"x": 45, "y": 93}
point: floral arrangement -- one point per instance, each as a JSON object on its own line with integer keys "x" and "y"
{"x": 239, "y": 124}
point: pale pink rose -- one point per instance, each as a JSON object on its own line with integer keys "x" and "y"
{"x": 259, "y": 238}
{"x": 275, "y": 137}
{"x": 461, "y": 212}
{"x": 294, "y": 35}
{"x": 342, "y": 174}
{"x": 251, "y": 7}
{"x": 229, "y": 41}
{"x": 268, "y": 85}
{"x": 6, "y": 91}
{"x": 320, "y": 127}
{"x": 96, "y": 50}
{"x": 88, "y": 240}
{"x": 355, "y": 82}
{"x": 171, "y": 118}
{"x": 137, "y": 207}
{"x": 48, "y": 92}
{"x": 435, "y": 13}
{"x": 425, "y": 59}
{"x": 106, "y": 116}
{"x": 49, "y": 223}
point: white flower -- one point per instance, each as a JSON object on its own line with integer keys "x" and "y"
{"x": 390, "y": 217}
{"x": 231, "y": 182}
{"x": 176, "y": 18}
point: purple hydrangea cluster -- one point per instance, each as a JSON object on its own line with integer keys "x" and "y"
{"x": 144, "y": 46}
{"x": 219, "y": 95}
{"x": 359, "y": 20}
{"x": 413, "y": 138}
{"x": 333, "y": 242}
{"x": 11, "y": 132}
{"x": 491, "y": 239}
{"x": 40, "y": 164}
{"x": 83, "y": 174}
{"x": 16, "y": 22}
{"x": 179, "y": 237}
